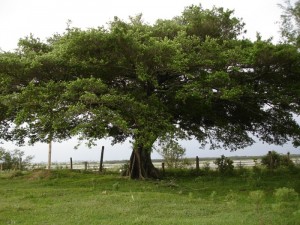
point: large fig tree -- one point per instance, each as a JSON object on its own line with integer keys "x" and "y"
{"x": 191, "y": 75}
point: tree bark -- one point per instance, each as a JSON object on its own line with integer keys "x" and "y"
{"x": 141, "y": 166}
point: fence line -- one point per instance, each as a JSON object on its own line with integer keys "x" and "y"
{"x": 94, "y": 166}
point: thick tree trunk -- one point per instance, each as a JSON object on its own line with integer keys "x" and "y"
{"x": 141, "y": 166}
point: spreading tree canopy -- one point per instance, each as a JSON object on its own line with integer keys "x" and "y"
{"x": 191, "y": 75}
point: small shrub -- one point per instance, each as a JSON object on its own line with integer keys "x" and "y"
{"x": 287, "y": 162}
{"x": 224, "y": 164}
{"x": 285, "y": 194}
{"x": 271, "y": 160}
{"x": 124, "y": 169}
{"x": 206, "y": 167}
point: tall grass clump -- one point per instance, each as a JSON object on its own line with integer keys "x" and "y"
{"x": 285, "y": 194}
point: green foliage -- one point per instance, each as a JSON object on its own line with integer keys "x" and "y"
{"x": 274, "y": 160}
{"x": 257, "y": 196}
{"x": 12, "y": 159}
{"x": 285, "y": 194}
{"x": 290, "y": 22}
{"x": 206, "y": 168}
{"x": 124, "y": 168}
{"x": 190, "y": 75}
{"x": 213, "y": 23}
{"x": 172, "y": 153}
{"x": 224, "y": 164}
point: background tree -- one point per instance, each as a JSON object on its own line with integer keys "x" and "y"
{"x": 13, "y": 159}
{"x": 290, "y": 22}
{"x": 171, "y": 151}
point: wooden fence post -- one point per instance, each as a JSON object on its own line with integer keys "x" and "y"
{"x": 197, "y": 164}
{"x": 288, "y": 156}
{"x": 71, "y": 163}
{"x": 163, "y": 167}
{"x": 101, "y": 160}
{"x": 85, "y": 165}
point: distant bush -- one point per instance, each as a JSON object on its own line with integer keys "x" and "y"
{"x": 274, "y": 160}
{"x": 224, "y": 164}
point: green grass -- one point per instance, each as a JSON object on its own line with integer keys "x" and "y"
{"x": 74, "y": 197}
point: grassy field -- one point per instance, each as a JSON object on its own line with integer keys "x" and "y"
{"x": 182, "y": 197}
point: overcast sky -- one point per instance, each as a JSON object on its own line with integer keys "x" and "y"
{"x": 43, "y": 18}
